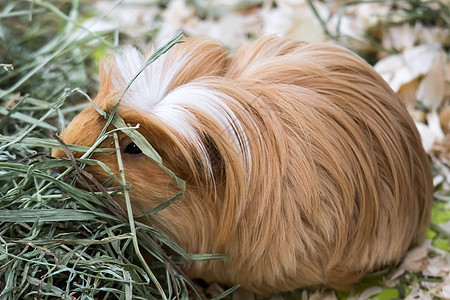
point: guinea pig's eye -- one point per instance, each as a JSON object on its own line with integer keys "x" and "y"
{"x": 132, "y": 148}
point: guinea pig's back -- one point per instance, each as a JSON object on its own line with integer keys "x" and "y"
{"x": 356, "y": 186}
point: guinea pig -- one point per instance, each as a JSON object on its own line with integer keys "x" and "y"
{"x": 300, "y": 162}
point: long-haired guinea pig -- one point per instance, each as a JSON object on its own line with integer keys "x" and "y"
{"x": 300, "y": 162}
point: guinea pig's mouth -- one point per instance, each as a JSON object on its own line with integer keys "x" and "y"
{"x": 85, "y": 177}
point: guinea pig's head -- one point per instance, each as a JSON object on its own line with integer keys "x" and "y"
{"x": 174, "y": 138}
{"x": 150, "y": 184}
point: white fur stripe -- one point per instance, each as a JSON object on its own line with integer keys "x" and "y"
{"x": 149, "y": 92}
{"x": 151, "y": 85}
{"x": 174, "y": 111}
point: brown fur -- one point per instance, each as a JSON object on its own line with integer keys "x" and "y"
{"x": 338, "y": 186}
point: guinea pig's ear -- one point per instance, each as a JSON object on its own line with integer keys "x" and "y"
{"x": 109, "y": 91}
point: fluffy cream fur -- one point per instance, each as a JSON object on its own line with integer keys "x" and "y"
{"x": 300, "y": 161}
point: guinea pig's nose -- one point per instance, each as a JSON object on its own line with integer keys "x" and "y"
{"x": 58, "y": 153}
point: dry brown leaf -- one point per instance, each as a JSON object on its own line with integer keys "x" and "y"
{"x": 319, "y": 295}
{"x": 232, "y": 29}
{"x": 214, "y": 290}
{"x": 435, "y": 125}
{"x": 295, "y": 19}
{"x": 12, "y": 100}
{"x": 403, "y": 68}
{"x": 401, "y": 37}
{"x": 367, "y": 293}
{"x": 432, "y": 86}
{"x": 175, "y": 16}
{"x": 417, "y": 293}
{"x": 370, "y": 13}
{"x": 438, "y": 267}
{"x": 137, "y": 16}
{"x": 352, "y": 28}
{"x": 407, "y": 94}
{"x": 444, "y": 117}
{"x": 427, "y": 135}
{"x": 242, "y": 294}
{"x": 416, "y": 260}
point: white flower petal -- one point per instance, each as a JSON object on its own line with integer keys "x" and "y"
{"x": 403, "y": 68}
